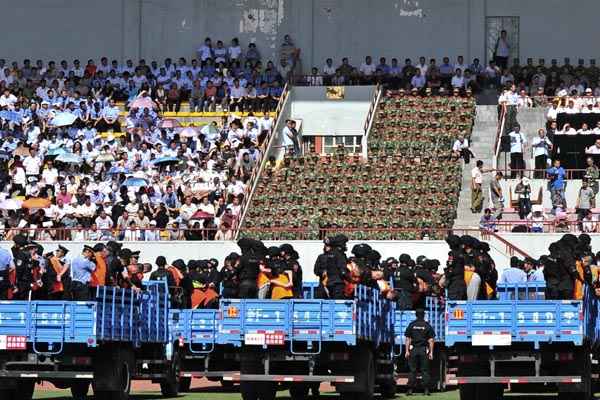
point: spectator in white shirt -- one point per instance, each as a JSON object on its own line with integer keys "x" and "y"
{"x": 594, "y": 149}
{"x": 418, "y": 80}
{"x": 328, "y": 68}
{"x": 187, "y": 210}
{"x": 205, "y": 51}
{"x": 584, "y": 130}
{"x": 32, "y": 163}
{"x": 460, "y": 148}
{"x": 541, "y": 150}
{"x": 103, "y": 221}
{"x": 367, "y": 68}
{"x": 552, "y": 112}
{"x": 517, "y": 145}
{"x": 457, "y": 80}
{"x": 567, "y": 130}
{"x": 50, "y": 175}
{"x": 234, "y": 51}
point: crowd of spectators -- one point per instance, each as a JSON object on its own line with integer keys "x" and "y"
{"x": 410, "y": 180}
{"x": 74, "y": 165}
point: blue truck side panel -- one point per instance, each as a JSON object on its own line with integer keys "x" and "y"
{"x": 367, "y": 317}
{"x": 524, "y": 315}
{"x": 117, "y": 315}
{"x": 198, "y": 326}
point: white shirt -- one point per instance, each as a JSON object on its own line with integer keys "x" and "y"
{"x": 552, "y": 114}
{"x": 540, "y": 146}
{"x": 105, "y": 223}
{"x": 327, "y": 70}
{"x": 418, "y": 81}
{"x": 86, "y": 211}
{"x": 237, "y": 92}
{"x": 50, "y": 176}
{"x": 205, "y": 52}
{"x": 593, "y": 150}
{"x": 458, "y": 81}
{"x": 477, "y": 175}
{"x": 32, "y": 165}
{"x": 517, "y": 140}
{"x": 234, "y": 52}
{"x": 458, "y": 146}
{"x": 367, "y": 69}
{"x": 186, "y": 211}
{"x": 503, "y": 48}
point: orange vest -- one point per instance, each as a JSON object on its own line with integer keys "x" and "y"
{"x": 57, "y": 267}
{"x": 262, "y": 279}
{"x": 578, "y": 292}
{"x": 176, "y": 274}
{"x": 280, "y": 292}
{"x": 202, "y": 296}
{"x": 98, "y": 277}
{"x": 354, "y": 279}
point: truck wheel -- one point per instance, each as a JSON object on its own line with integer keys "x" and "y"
{"x": 80, "y": 390}
{"x": 268, "y": 391}
{"x": 24, "y": 390}
{"x": 388, "y": 389}
{"x": 226, "y": 384}
{"x": 184, "y": 385}
{"x": 123, "y": 374}
{"x": 467, "y": 391}
{"x": 7, "y": 394}
{"x": 299, "y": 391}
{"x": 169, "y": 387}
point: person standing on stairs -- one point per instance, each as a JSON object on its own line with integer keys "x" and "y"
{"x": 476, "y": 188}
{"x": 518, "y": 141}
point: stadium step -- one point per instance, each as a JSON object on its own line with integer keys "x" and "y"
{"x": 483, "y": 139}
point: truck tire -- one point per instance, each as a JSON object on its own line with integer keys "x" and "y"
{"x": 365, "y": 374}
{"x": 122, "y": 374}
{"x": 268, "y": 391}
{"x": 169, "y": 386}
{"x": 184, "y": 385}
{"x": 79, "y": 390}
{"x": 467, "y": 391}
{"x": 226, "y": 384}
{"x": 7, "y": 394}
{"x": 250, "y": 363}
{"x": 299, "y": 391}
{"x": 489, "y": 391}
{"x": 24, "y": 390}
{"x": 388, "y": 389}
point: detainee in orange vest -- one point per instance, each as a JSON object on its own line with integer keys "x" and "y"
{"x": 98, "y": 277}
{"x": 56, "y": 274}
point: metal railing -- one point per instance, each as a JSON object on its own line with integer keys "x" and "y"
{"x": 257, "y": 171}
{"x": 538, "y": 173}
{"x": 370, "y": 118}
{"x": 499, "y": 133}
{"x": 511, "y": 249}
{"x": 548, "y": 226}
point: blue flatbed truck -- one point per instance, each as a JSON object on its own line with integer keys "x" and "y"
{"x": 119, "y": 336}
{"x": 300, "y": 342}
{"x": 522, "y": 340}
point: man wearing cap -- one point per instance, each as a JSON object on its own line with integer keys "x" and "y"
{"x": 419, "y": 344}
{"x": 81, "y": 273}
{"x": 56, "y": 275}
{"x": 331, "y": 268}
{"x": 405, "y": 283}
{"x": 7, "y": 266}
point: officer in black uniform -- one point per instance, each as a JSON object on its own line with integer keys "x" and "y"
{"x": 552, "y": 272}
{"x": 405, "y": 283}
{"x": 22, "y": 262}
{"x": 253, "y": 252}
{"x": 419, "y": 344}
{"x": 229, "y": 277}
{"x": 455, "y": 270}
{"x": 331, "y": 268}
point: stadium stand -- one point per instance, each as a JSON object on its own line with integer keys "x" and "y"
{"x": 408, "y": 153}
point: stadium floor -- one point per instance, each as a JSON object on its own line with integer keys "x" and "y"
{"x": 211, "y": 391}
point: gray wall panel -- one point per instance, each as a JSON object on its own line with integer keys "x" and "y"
{"x": 55, "y": 29}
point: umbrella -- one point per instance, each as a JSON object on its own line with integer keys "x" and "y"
{"x": 202, "y": 215}
{"x": 69, "y": 158}
{"x": 188, "y": 132}
{"x": 11, "y": 204}
{"x": 165, "y": 161}
{"x": 114, "y": 135}
{"x": 21, "y": 151}
{"x": 105, "y": 157}
{"x": 56, "y": 152}
{"x": 63, "y": 119}
{"x": 169, "y": 123}
{"x": 11, "y": 116}
{"x": 142, "y": 102}
{"x": 36, "y": 202}
{"x": 135, "y": 182}
{"x": 118, "y": 170}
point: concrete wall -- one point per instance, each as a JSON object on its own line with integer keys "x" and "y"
{"x": 154, "y": 29}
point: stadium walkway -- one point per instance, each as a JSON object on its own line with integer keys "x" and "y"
{"x": 482, "y": 145}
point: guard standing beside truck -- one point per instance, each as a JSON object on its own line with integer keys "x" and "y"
{"x": 419, "y": 351}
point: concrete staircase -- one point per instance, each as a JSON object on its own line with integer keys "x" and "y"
{"x": 482, "y": 145}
